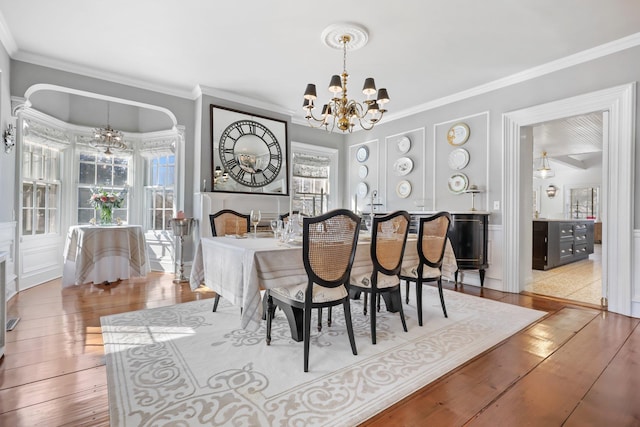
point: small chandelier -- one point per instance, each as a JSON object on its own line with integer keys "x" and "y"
{"x": 107, "y": 138}
{"x": 342, "y": 111}
{"x": 544, "y": 171}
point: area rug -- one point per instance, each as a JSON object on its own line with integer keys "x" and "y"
{"x": 184, "y": 365}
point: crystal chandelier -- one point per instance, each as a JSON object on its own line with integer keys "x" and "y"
{"x": 107, "y": 138}
{"x": 341, "y": 111}
{"x": 544, "y": 171}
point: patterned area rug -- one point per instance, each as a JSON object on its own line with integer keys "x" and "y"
{"x": 184, "y": 365}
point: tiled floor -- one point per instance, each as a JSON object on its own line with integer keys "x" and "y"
{"x": 579, "y": 281}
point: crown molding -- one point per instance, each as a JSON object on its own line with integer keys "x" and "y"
{"x": 241, "y": 99}
{"x": 6, "y": 37}
{"x": 122, "y": 79}
{"x": 597, "y": 52}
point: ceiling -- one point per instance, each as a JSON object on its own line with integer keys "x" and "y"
{"x": 267, "y": 51}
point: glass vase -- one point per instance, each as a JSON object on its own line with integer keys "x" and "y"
{"x": 106, "y": 215}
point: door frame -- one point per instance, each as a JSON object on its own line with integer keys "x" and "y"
{"x": 617, "y": 187}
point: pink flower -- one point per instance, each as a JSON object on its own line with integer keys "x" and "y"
{"x": 104, "y": 199}
{"x": 112, "y": 198}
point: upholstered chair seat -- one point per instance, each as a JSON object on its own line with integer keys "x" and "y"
{"x": 320, "y": 293}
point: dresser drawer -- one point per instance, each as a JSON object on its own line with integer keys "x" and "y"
{"x": 566, "y": 250}
{"x": 581, "y": 249}
{"x": 566, "y": 230}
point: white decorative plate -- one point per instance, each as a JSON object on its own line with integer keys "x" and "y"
{"x": 458, "y": 159}
{"x": 403, "y": 166}
{"x": 362, "y": 189}
{"x": 403, "y": 189}
{"x": 363, "y": 171}
{"x": 362, "y": 154}
{"x": 404, "y": 144}
{"x": 458, "y": 182}
{"x": 458, "y": 134}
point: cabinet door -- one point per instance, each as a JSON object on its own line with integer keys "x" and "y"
{"x": 468, "y": 238}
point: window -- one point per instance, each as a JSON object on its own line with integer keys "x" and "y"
{"x": 40, "y": 189}
{"x": 585, "y": 203}
{"x": 311, "y": 183}
{"x": 110, "y": 173}
{"x": 159, "y": 191}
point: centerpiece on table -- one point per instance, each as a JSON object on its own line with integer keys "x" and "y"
{"x": 106, "y": 201}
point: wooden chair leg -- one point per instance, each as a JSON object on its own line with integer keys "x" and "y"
{"x": 407, "y": 291}
{"x": 419, "y": 301}
{"x": 307, "y": 338}
{"x": 270, "y": 313}
{"x": 320, "y": 319}
{"x": 365, "y": 303}
{"x": 401, "y": 310}
{"x": 329, "y": 317}
{"x": 347, "y": 318}
{"x": 215, "y": 303}
{"x": 444, "y": 309}
{"x": 373, "y": 318}
{"x": 378, "y": 302}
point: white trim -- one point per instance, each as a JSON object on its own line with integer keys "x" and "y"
{"x": 45, "y": 86}
{"x": 334, "y": 174}
{"x": 550, "y": 67}
{"x": 618, "y": 156}
{"x": 200, "y": 90}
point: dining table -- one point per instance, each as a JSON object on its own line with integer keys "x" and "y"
{"x": 104, "y": 254}
{"x": 239, "y": 267}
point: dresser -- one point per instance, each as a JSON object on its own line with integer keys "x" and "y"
{"x": 560, "y": 242}
{"x": 468, "y": 234}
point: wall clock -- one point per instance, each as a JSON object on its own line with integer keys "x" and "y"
{"x": 250, "y": 153}
{"x": 458, "y": 134}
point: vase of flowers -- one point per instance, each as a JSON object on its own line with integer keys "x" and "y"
{"x": 106, "y": 201}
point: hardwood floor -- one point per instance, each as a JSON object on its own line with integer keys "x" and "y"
{"x": 577, "y": 366}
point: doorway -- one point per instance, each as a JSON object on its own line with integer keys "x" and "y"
{"x": 567, "y": 177}
{"x": 618, "y": 156}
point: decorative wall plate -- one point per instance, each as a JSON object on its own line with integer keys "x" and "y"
{"x": 403, "y": 166}
{"x": 362, "y": 189}
{"x": 362, "y": 154}
{"x": 404, "y": 144}
{"x": 458, "y": 159}
{"x": 403, "y": 189}
{"x": 458, "y": 134}
{"x": 363, "y": 171}
{"x": 458, "y": 183}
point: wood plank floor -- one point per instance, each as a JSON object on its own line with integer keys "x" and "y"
{"x": 577, "y": 366}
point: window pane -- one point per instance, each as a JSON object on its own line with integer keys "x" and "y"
{"x": 40, "y": 221}
{"x": 104, "y": 175}
{"x": 27, "y": 221}
{"x": 53, "y": 196}
{"x": 53, "y": 221}
{"x": 41, "y": 196}
{"x": 120, "y": 175}
{"x": 84, "y": 194}
{"x": 168, "y": 200}
{"x": 85, "y": 157}
{"x": 27, "y": 195}
{"x": 85, "y": 215}
{"x": 87, "y": 173}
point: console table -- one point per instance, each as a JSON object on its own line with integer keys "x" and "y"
{"x": 468, "y": 234}
{"x": 559, "y": 242}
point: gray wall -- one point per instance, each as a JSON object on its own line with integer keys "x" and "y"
{"x": 7, "y": 161}
{"x": 609, "y": 71}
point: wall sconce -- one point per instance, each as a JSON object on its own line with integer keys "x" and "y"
{"x": 9, "y": 137}
{"x": 551, "y": 191}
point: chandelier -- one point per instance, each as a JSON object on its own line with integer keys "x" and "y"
{"x": 107, "y": 138}
{"x": 341, "y": 111}
{"x": 544, "y": 171}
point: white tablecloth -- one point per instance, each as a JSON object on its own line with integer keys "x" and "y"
{"x": 104, "y": 254}
{"x": 238, "y": 268}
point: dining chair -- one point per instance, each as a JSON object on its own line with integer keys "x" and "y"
{"x": 432, "y": 239}
{"x": 328, "y": 249}
{"x": 227, "y": 221}
{"x": 388, "y": 240}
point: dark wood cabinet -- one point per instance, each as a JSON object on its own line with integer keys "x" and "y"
{"x": 561, "y": 242}
{"x": 469, "y": 238}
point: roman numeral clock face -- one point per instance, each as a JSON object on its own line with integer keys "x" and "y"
{"x": 250, "y": 153}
